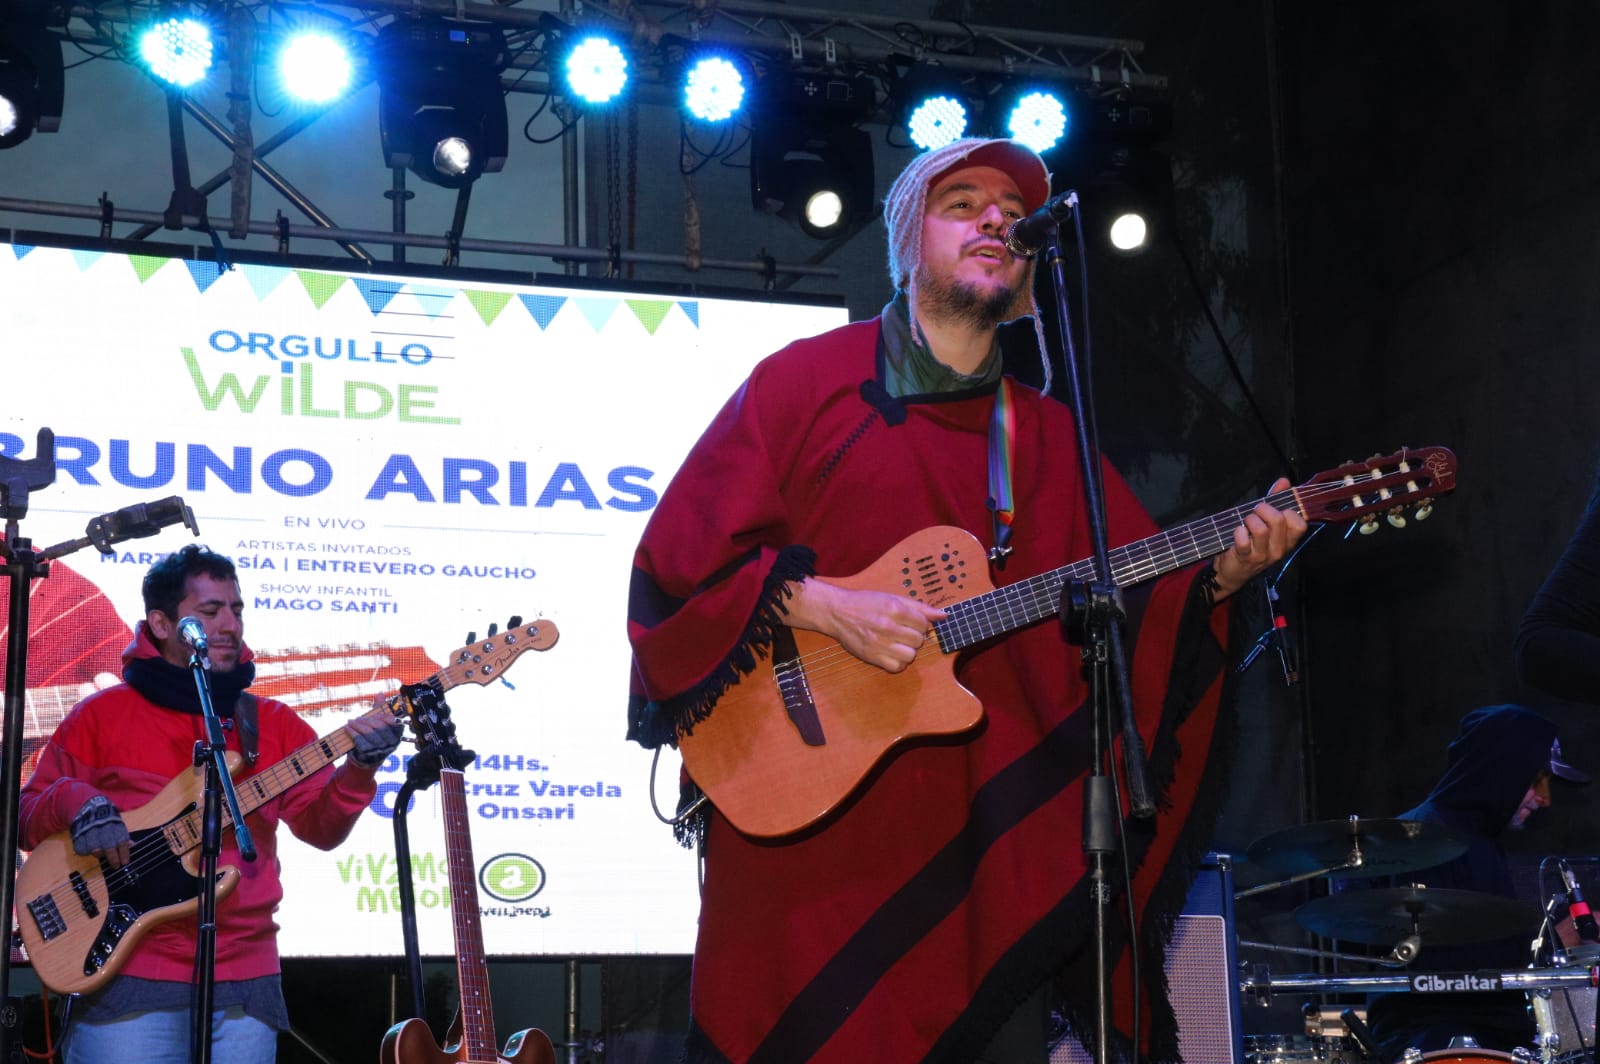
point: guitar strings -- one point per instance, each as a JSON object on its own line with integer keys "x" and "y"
{"x": 1206, "y": 537}
{"x": 149, "y": 852}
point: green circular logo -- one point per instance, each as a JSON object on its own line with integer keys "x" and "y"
{"x": 511, "y": 877}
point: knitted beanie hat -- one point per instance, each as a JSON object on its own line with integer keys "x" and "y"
{"x": 907, "y": 201}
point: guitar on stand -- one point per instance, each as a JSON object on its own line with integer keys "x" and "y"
{"x": 472, "y": 1034}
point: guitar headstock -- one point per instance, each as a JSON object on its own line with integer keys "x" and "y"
{"x": 1388, "y": 485}
{"x": 484, "y": 660}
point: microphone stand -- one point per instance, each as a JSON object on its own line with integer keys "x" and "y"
{"x": 22, "y": 564}
{"x": 218, "y": 786}
{"x": 1091, "y": 617}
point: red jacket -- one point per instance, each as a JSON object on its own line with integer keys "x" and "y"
{"x": 118, "y": 743}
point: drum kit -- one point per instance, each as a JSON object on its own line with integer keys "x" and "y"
{"x": 1403, "y": 922}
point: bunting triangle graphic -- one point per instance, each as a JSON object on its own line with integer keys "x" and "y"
{"x": 543, "y": 309}
{"x": 320, "y": 286}
{"x": 650, "y": 312}
{"x": 435, "y": 302}
{"x": 691, "y": 310}
{"x": 145, "y": 266}
{"x": 204, "y": 273}
{"x": 598, "y": 311}
{"x": 22, "y": 250}
{"x": 85, "y": 258}
{"x": 378, "y": 294}
{"x": 264, "y": 280}
{"x": 488, "y": 304}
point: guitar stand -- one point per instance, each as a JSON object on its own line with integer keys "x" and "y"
{"x": 422, "y": 772}
{"x": 23, "y": 564}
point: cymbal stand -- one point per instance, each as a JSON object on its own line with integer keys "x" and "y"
{"x": 1262, "y": 888}
{"x": 1323, "y": 954}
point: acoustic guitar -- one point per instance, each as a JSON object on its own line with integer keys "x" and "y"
{"x": 80, "y": 919}
{"x": 472, "y": 1034}
{"x": 795, "y": 737}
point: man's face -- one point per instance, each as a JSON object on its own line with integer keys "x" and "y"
{"x": 219, "y": 607}
{"x": 966, "y": 272}
{"x": 1537, "y": 798}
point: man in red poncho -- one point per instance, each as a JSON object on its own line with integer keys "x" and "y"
{"x": 914, "y": 919}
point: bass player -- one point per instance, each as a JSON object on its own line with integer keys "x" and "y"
{"x": 121, "y": 746}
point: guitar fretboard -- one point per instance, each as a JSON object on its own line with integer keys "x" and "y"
{"x": 1017, "y": 605}
{"x": 472, "y": 973}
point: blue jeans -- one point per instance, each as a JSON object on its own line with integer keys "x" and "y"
{"x": 162, "y": 1037}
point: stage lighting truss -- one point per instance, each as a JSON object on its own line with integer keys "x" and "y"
{"x": 30, "y": 83}
{"x": 441, "y": 110}
{"x": 810, "y": 162}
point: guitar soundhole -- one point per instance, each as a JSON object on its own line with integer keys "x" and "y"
{"x": 933, "y": 574}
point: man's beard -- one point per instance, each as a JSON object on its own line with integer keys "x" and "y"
{"x": 961, "y": 303}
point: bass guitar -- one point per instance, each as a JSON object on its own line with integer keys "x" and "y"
{"x": 471, "y": 1037}
{"x": 80, "y": 919}
{"x": 794, "y": 738}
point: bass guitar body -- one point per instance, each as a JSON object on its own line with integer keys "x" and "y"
{"x": 80, "y": 918}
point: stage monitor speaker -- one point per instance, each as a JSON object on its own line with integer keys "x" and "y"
{"x": 1202, "y": 965}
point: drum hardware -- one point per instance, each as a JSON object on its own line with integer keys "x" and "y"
{"x": 1344, "y": 849}
{"x": 1260, "y": 984}
{"x": 1326, "y": 954}
{"x": 1435, "y": 915}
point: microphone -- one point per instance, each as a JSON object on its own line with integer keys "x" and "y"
{"x": 192, "y": 632}
{"x": 1582, "y": 919}
{"x": 1025, "y": 236}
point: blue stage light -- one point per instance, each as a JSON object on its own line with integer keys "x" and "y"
{"x": 315, "y": 67}
{"x": 597, "y": 70}
{"x": 177, "y": 50}
{"x": 713, "y": 91}
{"x": 937, "y": 121}
{"x": 1039, "y": 120}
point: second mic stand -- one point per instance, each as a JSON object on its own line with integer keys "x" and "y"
{"x": 211, "y": 754}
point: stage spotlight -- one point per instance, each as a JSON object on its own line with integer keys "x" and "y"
{"x": 1037, "y": 118}
{"x": 30, "y": 83}
{"x": 1128, "y": 231}
{"x": 441, "y": 110}
{"x": 597, "y": 70}
{"x": 177, "y": 50}
{"x": 819, "y": 177}
{"x": 713, "y": 89}
{"x": 314, "y": 67}
{"x": 936, "y": 121}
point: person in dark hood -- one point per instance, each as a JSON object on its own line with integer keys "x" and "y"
{"x": 1499, "y": 771}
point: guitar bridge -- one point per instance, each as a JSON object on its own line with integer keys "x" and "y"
{"x": 795, "y": 689}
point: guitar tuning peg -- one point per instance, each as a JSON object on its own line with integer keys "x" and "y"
{"x": 494, "y": 629}
{"x": 515, "y": 621}
{"x": 1424, "y": 511}
{"x": 1397, "y": 517}
{"x": 472, "y": 637}
{"x": 1369, "y": 524}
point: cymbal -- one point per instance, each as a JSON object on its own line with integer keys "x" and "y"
{"x": 1385, "y": 847}
{"x": 1443, "y": 917}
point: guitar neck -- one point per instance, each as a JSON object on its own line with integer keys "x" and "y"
{"x": 472, "y": 971}
{"x": 1018, "y": 605}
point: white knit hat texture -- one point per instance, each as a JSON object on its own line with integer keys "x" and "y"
{"x": 907, "y": 201}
